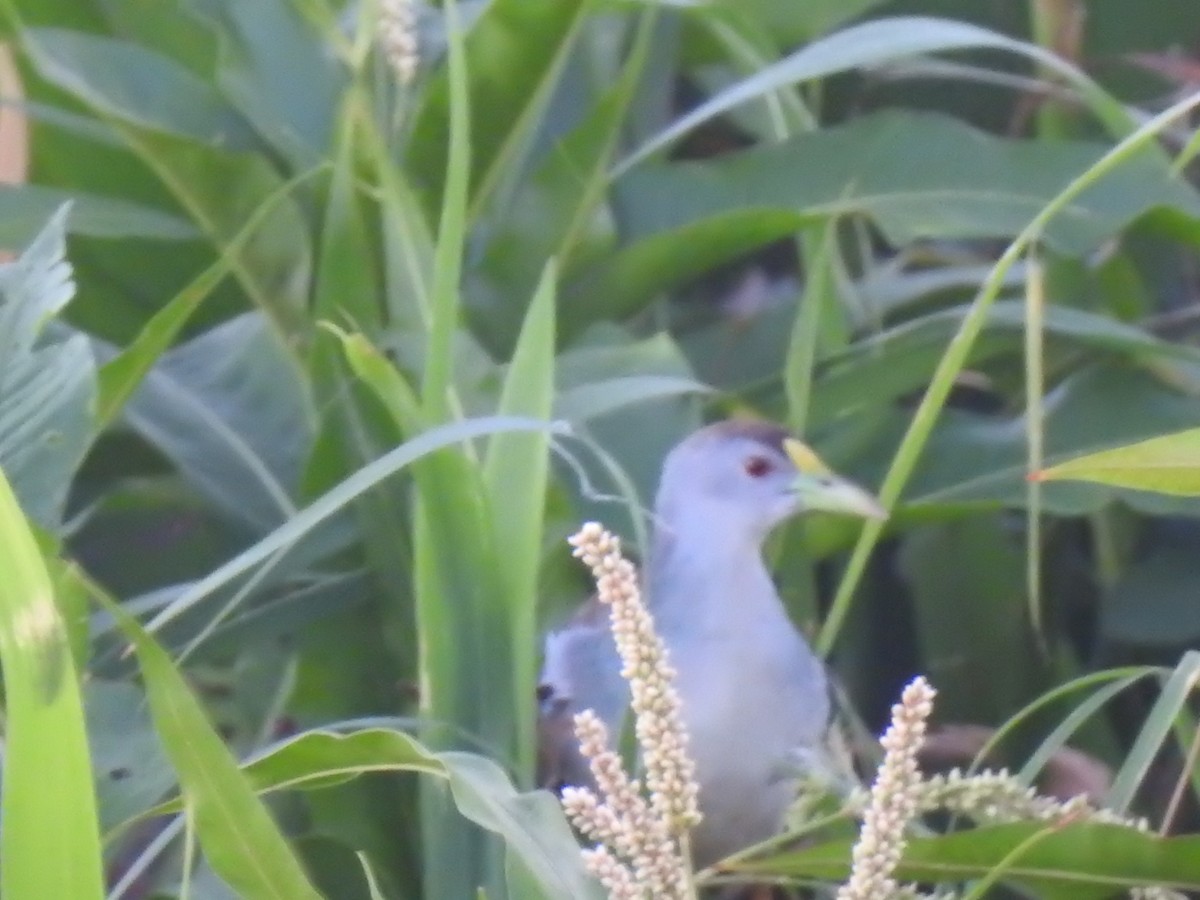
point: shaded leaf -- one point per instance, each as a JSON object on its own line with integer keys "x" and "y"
{"x": 684, "y": 218}
{"x": 974, "y": 458}
{"x": 241, "y": 841}
{"x": 1154, "y": 602}
{"x": 132, "y": 772}
{"x": 27, "y": 206}
{"x": 47, "y": 384}
{"x": 513, "y": 53}
{"x": 229, "y": 409}
{"x": 134, "y": 83}
{"x": 276, "y": 70}
{"x": 871, "y": 43}
{"x": 120, "y": 376}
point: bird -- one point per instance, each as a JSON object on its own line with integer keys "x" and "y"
{"x": 755, "y": 697}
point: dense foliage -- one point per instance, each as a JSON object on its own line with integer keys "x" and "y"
{"x": 308, "y": 367}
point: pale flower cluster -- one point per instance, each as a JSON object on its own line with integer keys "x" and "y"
{"x": 641, "y": 842}
{"x": 398, "y": 38}
{"x": 636, "y": 855}
{"x": 894, "y": 800}
{"x": 994, "y": 797}
{"x": 900, "y": 794}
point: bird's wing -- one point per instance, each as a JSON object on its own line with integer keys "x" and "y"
{"x": 581, "y": 671}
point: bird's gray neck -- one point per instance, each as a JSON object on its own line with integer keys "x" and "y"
{"x": 710, "y": 578}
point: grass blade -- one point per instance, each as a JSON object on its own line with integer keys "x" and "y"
{"x": 515, "y": 475}
{"x": 240, "y": 839}
{"x": 50, "y": 842}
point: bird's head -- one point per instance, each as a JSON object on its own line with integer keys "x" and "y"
{"x": 745, "y": 477}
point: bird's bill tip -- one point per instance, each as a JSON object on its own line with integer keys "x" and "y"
{"x": 846, "y": 497}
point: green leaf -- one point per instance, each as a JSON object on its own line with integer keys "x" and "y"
{"x": 1169, "y": 464}
{"x": 515, "y": 475}
{"x": 138, "y": 85}
{"x": 1176, "y": 693}
{"x": 792, "y": 23}
{"x": 684, "y": 218}
{"x": 337, "y": 498}
{"x": 241, "y": 841}
{"x": 132, "y": 771}
{"x": 230, "y": 410}
{"x": 871, "y": 43}
{"x": 50, "y": 842}
{"x": 972, "y": 458}
{"x": 120, "y": 376}
{"x": 1154, "y": 600}
{"x": 278, "y": 72}
{"x": 1073, "y": 862}
{"x": 532, "y": 824}
{"x": 554, "y": 210}
{"x": 985, "y": 635}
{"x": 513, "y": 55}
{"x": 598, "y": 398}
{"x": 47, "y": 384}
{"x": 27, "y": 206}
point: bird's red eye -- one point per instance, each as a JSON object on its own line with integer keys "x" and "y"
{"x": 757, "y": 466}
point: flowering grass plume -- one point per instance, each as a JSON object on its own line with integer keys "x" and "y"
{"x": 398, "y": 38}
{"x": 894, "y": 800}
{"x": 641, "y": 836}
{"x": 900, "y": 794}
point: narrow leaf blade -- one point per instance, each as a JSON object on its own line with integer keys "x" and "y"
{"x": 1169, "y": 464}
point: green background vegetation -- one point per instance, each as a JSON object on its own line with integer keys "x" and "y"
{"x": 337, "y": 364}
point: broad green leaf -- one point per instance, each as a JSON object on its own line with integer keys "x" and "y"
{"x": 47, "y": 383}
{"x": 910, "y": 447}
{"x": 217, "y": 190}
{"x": 229, "y": 409}
{"x": 136, "y": 84}
{"x": 684, "y": 218}
{"x": 28, "y": 206}
{"x": 941, "y": 566}
{"x": 168, "y": 28}
{"x": 892, "y": 362}
{"x": 871, "y": 43}
{"x": 599, "y": 398}
{"x": 278, "y": 73}
{"x": 120, "y": 376}
{"x": 792, "y": 23}
{"x": 132, "y": 771}
{"x": 1076, "y": 861}
{"x": 50, "y": 840}
{"x": 241, "y": 841}
{"x": 631, "y": 420}
{"x": 220, "y": 192}
{"x": 553, "y": 214}
{"x": 1169, "y": 464}
{"x": 532, "y": 824}
{"x": 1153, "y": 603}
